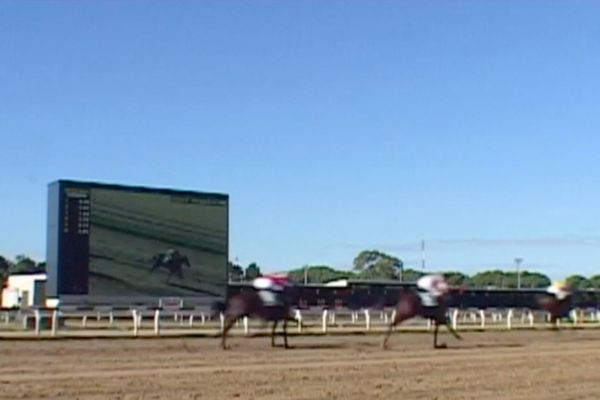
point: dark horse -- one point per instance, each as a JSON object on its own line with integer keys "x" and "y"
{"x": 556, "y": 308}
{"x": 410, "y": 306}
{"x": 172, "y": 261}
{"x": 249, "y": 304}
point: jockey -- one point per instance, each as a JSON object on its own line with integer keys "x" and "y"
{"x": 559, "y": 289}
{"x": 431, "y": 288}
{"x": 169, "y": 255}
{"x": 270, "y": 288}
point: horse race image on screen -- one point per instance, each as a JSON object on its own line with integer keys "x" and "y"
{"x": 127, "y": 242}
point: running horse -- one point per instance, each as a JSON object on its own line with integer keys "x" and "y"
{"x": 249, "y": 304}
{"x": 410, "y": 305}
{"x": 556, "y": 308}
{"x": 171, "y": 261}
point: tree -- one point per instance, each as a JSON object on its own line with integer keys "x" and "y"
{"x": 379, "y": 272}
{"x": 23, "y": 264}
{"x": 411, "y": 275}
{"x": 252, "y": 272}
{"x": 5, "y": 264}
{"x": 578, "y": 282}
{"x": 484, "y": 279}
{"x": 319, "y": 274}
{"x": 455, "y": 278}
{"x": 504, "y": 279}
{"x": 236, "y": 272}
{"x": 534, "y": 280}
{"x": 595, "y": 282}
{"x": 373, "y": 264}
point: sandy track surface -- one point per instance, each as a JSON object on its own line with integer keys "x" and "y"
{"x": 490, "y": 365}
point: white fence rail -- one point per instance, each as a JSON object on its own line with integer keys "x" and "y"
{"x": 161, "y": 322}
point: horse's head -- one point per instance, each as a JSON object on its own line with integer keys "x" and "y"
{"x": 292, "y": 293}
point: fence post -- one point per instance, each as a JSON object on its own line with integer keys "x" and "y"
{"x": 157, "y": 322}
{"x": 246, "y": 328}
{"x": 574, "y": 316}
{"x": 111, "y": 319}
{"x": 530, "y": 318}
{"x": 6, "y": 318}
{"x": 54, "y": 322}
{"x": 509, "y": 317}
{"x": 482, "y": 316}
{"x": 135, "y": 322}
{"x": 324, "y": 327}
{"x": 455, "y": 319}
{"x": 191, "y": 319}
{"x": 84, "y": 321}
{"x": 367, "y": 319}
{"x": 298, "y": 318}
{"x": 37, "y": 322}
{"x": 222, "y": 318}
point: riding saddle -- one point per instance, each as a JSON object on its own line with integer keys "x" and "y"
{"x": 427, "y": 299}
{"x": 271, "y": 298}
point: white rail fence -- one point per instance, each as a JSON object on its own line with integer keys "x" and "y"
{"x": 324, "y": 320}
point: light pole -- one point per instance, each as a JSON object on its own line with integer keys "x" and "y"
{"x": 423, "y": 255}
{"x": 518, "y": 261}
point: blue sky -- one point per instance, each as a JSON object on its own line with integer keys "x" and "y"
{"x": 334, "y": 126}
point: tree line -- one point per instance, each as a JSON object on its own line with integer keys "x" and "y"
{"x": 367, "y": 265}
{"x": 376, "y": 265}
{"x": 21, "y": 264}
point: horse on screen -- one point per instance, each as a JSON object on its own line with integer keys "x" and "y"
{"x": 171, "y": 260}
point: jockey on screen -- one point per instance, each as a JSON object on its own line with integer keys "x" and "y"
{"x": 270, "y": 288}
{"x": 431, "y": 288}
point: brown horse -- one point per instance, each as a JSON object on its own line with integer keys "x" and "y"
{"x": 556, "y": 308}
{"x": 410, "y": 306}
{"x": 249, "y": 304}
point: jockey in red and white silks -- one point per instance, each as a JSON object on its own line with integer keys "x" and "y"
{"x": 431, "y": 288}
{"x": 559, "y": 289}
{"x": 270, "y": 288}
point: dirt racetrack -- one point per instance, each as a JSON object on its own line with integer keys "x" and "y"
{"x": 486, "y": 365}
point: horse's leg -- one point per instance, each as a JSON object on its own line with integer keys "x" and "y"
{"x": 435, "y": 336}
{"x": 399, "y": 318}
{"x": 452, "y": 330}
{"x": 554, "y": 323}
{"x": 229, "y": 321}
{"x": 154, "y": 268}
{"x": 273, "y": 333}
{"x": 285, "y": 338}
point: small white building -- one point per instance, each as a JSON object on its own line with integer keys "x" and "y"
{"x": 24, "y": 290}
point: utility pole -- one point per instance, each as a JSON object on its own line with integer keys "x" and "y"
{"x": 305, "y": 274}
{"x": 423, "y": 255}
{"x": 518, "y": 261}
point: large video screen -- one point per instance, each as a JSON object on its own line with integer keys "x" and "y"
{"x": 123, "y": 242}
